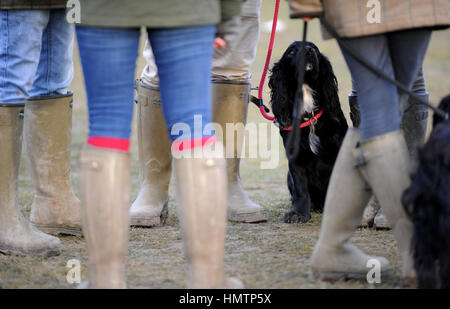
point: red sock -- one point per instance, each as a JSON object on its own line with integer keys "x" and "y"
{"x": 114, "y": 143}
{"x": 192, "y": 143}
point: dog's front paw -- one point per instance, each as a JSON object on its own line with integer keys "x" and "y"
{"x": 294, "y": 217}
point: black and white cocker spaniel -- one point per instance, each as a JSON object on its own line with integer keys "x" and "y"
{"x": 323, "y": 129}
{"x": 427, "y": 201}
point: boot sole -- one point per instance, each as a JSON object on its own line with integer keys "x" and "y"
{"x": 333, "y": 276}
{"x": 45, "y": 252}
{"x": 147, "y": 222}
{"x": 255, "y": 217}
{"x": 59, "y": 230}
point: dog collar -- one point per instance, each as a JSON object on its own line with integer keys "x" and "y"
{"x": 310, "y": 122}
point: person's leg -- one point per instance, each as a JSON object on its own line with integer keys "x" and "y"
{"x": 407, "y": 50}
{"x": 155, "y": 159}
{"x": 55, "y": 71}
{"x": 384, "y": 145}
{"x": 231, "y": 77}
{"x": 108, "y": 58}
{"x": 414, "y": 124}
{"x": 377, "y": 98}
{"x": 151, "y": 205}
{"x": 183, "y": 57}
{"x": 20, "y": 46}
{"x": 47, "y": 132}
{"x": 380, "y": 124}
{"x": 334, "y": 257}
{"x": 415, "y": 118}
{"x": 184, "y": 69}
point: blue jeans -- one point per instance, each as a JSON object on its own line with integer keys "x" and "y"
{"x": 36, "y": 48}
{"x": 183, "y": 57}
{"x": 400, "y": 55}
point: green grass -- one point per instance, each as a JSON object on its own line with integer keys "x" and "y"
{"x": 269, "y": 255}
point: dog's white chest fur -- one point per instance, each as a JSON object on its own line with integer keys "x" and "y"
{"x": 308, "y": 106}
{"x": 308, "y": 100}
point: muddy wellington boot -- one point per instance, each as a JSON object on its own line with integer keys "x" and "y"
{"x": 230, "y": 104}
{"x": 414, "y": 125}
{"x": 105, "y": 197}
{"x": 202, "y": 195}
{"x": 384, "y": 163}
{"x": 151, "y": 206}
{"x": 47, "y": 134}
{"x": 17, "y": 235}
{"x": 334, "y": 257}
{"x": 373, "y": 207}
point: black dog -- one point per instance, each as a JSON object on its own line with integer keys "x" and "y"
{"x": 427, "y": 201}
{"x": 310, "y": 173}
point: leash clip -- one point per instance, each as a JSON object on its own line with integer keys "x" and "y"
{"x": 259, "y": 103}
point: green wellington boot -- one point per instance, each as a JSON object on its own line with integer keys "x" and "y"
{"x": 47, "y": 134}
{"x": 414, "y": 125}
{"x": 230, "y": 104}
{"x": 334, "y": 257}
{"x": 202, "y": 197}
{"x": 151, "y": 206}
{"x": 105, "y": 197}
{"x": 17, "y": 235}
{"x": 384, "y": 164}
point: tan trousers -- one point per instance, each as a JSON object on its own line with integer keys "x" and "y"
{"x": 228, "y": 63}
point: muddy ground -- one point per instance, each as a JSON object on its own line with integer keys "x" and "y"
{"x": 268, "y": 255}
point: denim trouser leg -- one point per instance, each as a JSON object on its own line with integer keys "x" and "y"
{"x": 108, "y": 57}
{"x": 408, "y": 49}
{"x": 184, "y": 59}
{"x": 399, "y": 55}
{"x": 22, "y": 36}
{"x": 55, "y": 70}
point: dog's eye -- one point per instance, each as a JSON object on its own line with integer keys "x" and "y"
{"x": 292, "y": 52}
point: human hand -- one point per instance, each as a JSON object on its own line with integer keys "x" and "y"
{"x": 227, "y": 32}
{"x": 219, "y": 43}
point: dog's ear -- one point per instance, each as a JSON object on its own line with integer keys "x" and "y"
{"x": 279, "y": 96}
{"x": 329, "y": 84}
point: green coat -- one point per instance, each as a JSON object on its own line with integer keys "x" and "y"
{"x": 32, "y": 4}
{"x": 157, "y": 13}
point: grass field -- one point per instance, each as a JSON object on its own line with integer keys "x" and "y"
{"x": 269, "y": 255}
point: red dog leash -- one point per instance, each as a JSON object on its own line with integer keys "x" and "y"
{"x": 259, "y": 101}
{"x": 266, "y": 65}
